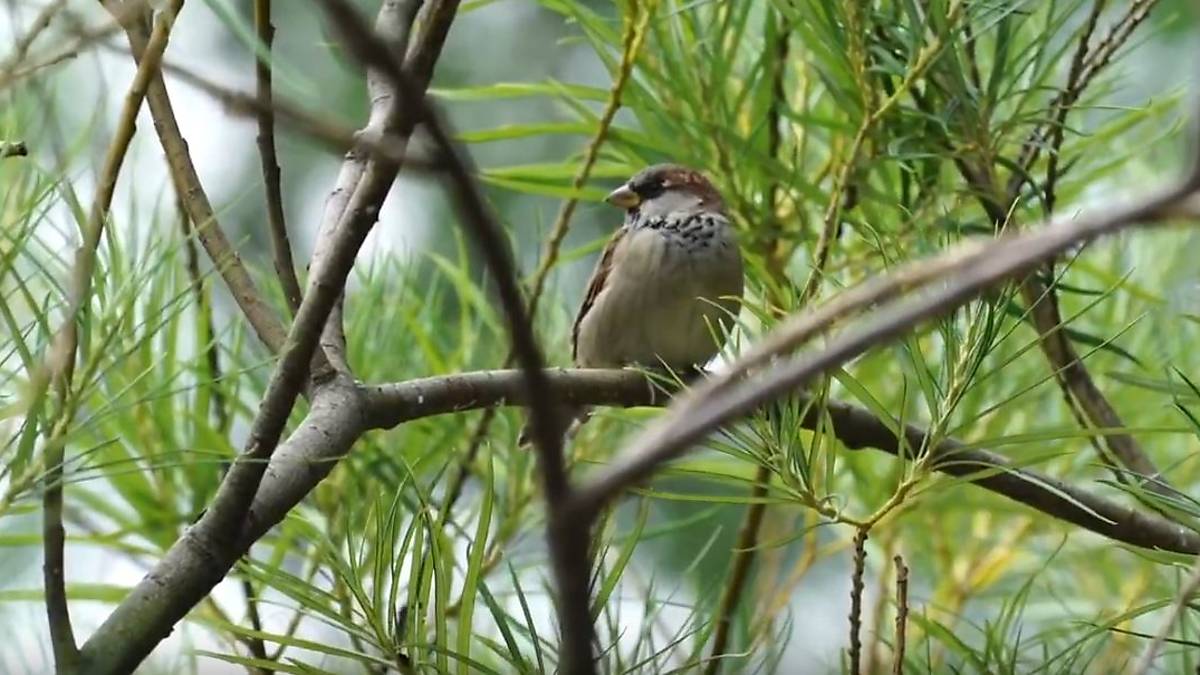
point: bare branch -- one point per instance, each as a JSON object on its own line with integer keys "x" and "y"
{"x": 281, "y": 248}
{"x": 968, "y": 268}
{"x": 857, "y": 428}
{"x": 856, "y": 593}
{"x": 261, "y": 316}
{"x": 365, "y": 171}
{"x": 901, "y": 615}
{"x": 238, "y": 514}
{"x": 568, "y": 541}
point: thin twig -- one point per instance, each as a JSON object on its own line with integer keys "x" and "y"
{"x": 212, "y": 348}
{"x": 258, "y": 313}
{"x": 746, "y": 548}
{"x": 281, "y": 248}
{"x": 86, "y": 36}
{"x": 1089, "y": 65}
{"x": 901, "y": 615}
{"x": 922, "y": 61}
{"x": 1058, "y": 131}
{"x": 60, "y": 358}
{"x": 1186, "y": 593}
{"x": 22, "y": 44}
{"x": 363, "y": 144}
{"x": 631, "y": 40}
{"x": 739, "y": 570}
{"x": 856, "y": 593}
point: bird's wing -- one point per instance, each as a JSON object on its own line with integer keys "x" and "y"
{"x": 596, "y": 285}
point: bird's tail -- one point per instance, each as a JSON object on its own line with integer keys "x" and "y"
{"x": 569, "y": 418}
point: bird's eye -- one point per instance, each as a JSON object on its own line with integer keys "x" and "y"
{"x": 650, "y": 187}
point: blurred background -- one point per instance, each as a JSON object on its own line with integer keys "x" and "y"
{"x": 523, "y": 83}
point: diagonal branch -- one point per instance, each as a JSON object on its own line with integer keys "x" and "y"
{"x": 364, "y": 171}
{"x": 568, "y": 541}
{"x": 262, "y": 318}
{"x": 857, "y": 428}
{"x": 207, "y": 551}
{"x": 60, "y": 359}
{"x": 1083, "y": 396}
{"x": 969, "y": 269}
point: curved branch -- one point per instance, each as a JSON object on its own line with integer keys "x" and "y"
{"x": 857, "y": 428}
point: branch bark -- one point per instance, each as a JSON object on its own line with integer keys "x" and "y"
{"x": 281, "y": 248}
{"x": 568, "y": 542}
{"x": 206, "y": 552}
{"x": 968, "y": 269}
{"x": 857, "y": 428}
{"x": 262, "y": 318}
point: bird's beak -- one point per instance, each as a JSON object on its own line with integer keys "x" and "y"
{"x": 623, "y": 197}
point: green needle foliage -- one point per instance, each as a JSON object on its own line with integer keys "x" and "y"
{"x": 847, "y": 138}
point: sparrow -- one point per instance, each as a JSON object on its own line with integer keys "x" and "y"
{"x": 668, "y": 286}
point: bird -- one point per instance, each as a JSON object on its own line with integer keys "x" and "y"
{"x": 667, "y": 288}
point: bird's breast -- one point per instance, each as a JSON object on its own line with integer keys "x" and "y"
{"x": 662, "y": 302}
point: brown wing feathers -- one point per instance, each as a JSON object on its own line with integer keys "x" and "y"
{"x": 599, "y": 277}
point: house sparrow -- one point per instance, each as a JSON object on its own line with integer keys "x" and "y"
{"x": 668, "y": 285}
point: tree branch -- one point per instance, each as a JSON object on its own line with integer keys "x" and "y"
{"x": 857, "y": 428}
{"x": 968, "y": 269}
{"x": 364, "y": 171}
{"x": 281, "y": 248}
{"x": 60, "y": 358}
{"x": 258, "y": 490}
{"x": 568, "y": 541}
{"x": 262, "y": 318}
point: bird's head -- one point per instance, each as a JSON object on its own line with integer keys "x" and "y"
{"x": 666, "y": 188}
